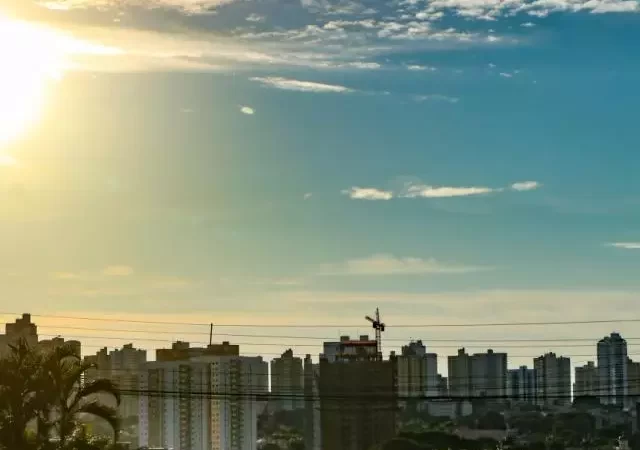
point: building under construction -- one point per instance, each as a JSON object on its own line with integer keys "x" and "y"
{"x": 358, "y": 395}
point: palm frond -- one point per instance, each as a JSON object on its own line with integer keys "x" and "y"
{"x": 106, "y": 413}
{"x": 100, "y": 386}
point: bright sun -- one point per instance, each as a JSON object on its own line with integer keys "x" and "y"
{"x": 30, "y": 60}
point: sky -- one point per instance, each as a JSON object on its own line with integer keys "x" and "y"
{"x": 302, "y": 162}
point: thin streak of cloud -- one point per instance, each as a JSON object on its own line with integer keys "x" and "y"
{"x": 435, "y": 97}
{"x": 420, "y": 190}
{"x": 307, "y": 196}
{"x": 525, "y": 186}
{"x": 247, "y": 110}
{"x": 358, "y": 193}
{"x": 506, "y": 75}
{"x": 426, "y": 191}
{"x": 385, "y": 264}
{"x": 626, "y": 245}
{"x": 419, "y": 68}
{"x": 301, "y": 86}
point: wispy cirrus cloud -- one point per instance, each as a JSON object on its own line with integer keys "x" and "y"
{"x": 625, "y": 245}
{"x": 525, "y": 186}
{"x": 386, "y": 264}
{"x": 420, "y": 190}
{"x": 436, "y": 98}
{"x": 301, "y": 86}
{"x": 426, "y": 191}
{"x": 420, "y": 68}
{"x": 358, "y": 193}
{"x": 247, "y": 110}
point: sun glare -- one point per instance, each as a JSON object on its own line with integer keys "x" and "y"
{"x": 32, "y": 58}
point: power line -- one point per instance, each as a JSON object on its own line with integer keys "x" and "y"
{"x": 289, "y": 325}
{"x": 316, "y": 338}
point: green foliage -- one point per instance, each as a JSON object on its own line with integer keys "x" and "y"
{"x": 47, "y": 389}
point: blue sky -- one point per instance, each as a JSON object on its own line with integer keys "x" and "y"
{"x": 304, "y": 162}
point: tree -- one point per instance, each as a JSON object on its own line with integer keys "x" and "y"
{"x": 69, "y": 398}
{"x": 19, "y": 399}
{"x": 47, "y": 389}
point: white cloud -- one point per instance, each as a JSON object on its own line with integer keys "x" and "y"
{"x": 528, "y": 25}
{"x": 506, "y": 75}
{"x": 186, "y": 110}
{"x": 426, "y": 191}
{"x": 247, "y": 110}
{"x": 303, "y": 86}
{"x": 358, "y": 193}
{"x": 435, "y": 97}
{"x": 307, "y": 195}
{"x": 418, "y": 67}
{"x": 117, "y": 271}
{"x": 254, "y": 18}
{"x": 364, "y": 65}
{"x": 626, "y": 245}
{"x": 385, "y": 264}
{"x": 492, "y": 66}
{"x": 525, "y": 185}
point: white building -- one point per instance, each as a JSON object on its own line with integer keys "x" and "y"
{"x": 125, "y": 365}
{"x": 207, "y": 403}
{"x": 417, "y": 372}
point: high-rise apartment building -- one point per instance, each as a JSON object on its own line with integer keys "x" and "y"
{"x": 358, "y": 395}
{"x": 287, "y": 382}
{"x": 521, "y": 385}
{"x": 48, "y": 345}
{"x": 312, "y": 426}
{"x": 417, "y": 372}
{"x": 443, "y": 386}
{"x": 459, "y": 374}
{"x": 612, "y": 369}
{"x": 553, "y": 380}
{"x": 22, "y": 328}
{"x": 125, "y": 366}
{"x": 181, "y": 350}
{"x": 633, "y": 376}
{"x": 586, "y": 381}
{"x": 489, "y": 374}
{"x": 214, "y": 405}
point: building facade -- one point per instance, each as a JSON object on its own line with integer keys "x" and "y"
{"x": 612, "y": 369}
{"x": 312, "y": 424}
{"x": 125, "y": 364}
{"x": 358, "y": 396}
{"x": 287, "y": 382}
{"x": 459, "y": 367}
{"x": 586, "y": 381}
{"x": 553, "y": 380}
{"x": 489, "y": 375}
{"x": 214, "y": 403}
{"x": 521, "y": 385}
{"x": 417, "y": 372}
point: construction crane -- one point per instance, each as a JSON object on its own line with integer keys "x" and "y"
{"x": 379, "y": 327}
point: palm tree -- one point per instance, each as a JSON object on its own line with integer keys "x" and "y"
{"x": 70, "y": 397}
{"x": 19, "y": 399}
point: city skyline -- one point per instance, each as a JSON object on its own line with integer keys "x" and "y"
{"x": 460, "y": 164}
{"x": 181, "y": 349}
